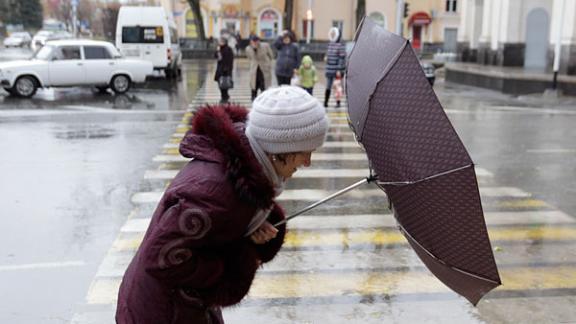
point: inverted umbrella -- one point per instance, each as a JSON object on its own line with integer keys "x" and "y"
{"x": 419, "y": 161}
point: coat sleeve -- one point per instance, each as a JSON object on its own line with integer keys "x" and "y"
{"x": 270, "y": 52}
{"x": 296, "y": 56}
{"x": 278, "y": 43}
{"x": 268, "y": 251}
{"x": 177, "y": 249}
{"x": 249, "y": 52}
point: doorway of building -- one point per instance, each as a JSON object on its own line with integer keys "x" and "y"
{"x": 537, "y": 30}
{"x": 450, "y": 40}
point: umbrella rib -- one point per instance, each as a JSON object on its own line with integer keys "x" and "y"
{"x": 425, "y": 179}
{"x": 403, "y": 230}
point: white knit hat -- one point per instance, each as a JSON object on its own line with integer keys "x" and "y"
{"x": 287, "y": 119}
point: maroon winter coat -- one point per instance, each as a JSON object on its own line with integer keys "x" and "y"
{"x": 194, "y": 256}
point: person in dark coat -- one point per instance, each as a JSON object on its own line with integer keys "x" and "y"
{"x": 288, "y": 57}
{"x": 225, "y": 57}
{"x": 212, "y": 229}
{"x": 335, "y": 61}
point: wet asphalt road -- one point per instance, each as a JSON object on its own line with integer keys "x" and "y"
{"x": 72, "y": 160}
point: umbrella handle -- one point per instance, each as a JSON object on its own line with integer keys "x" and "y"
{"x": 369, "y": 179}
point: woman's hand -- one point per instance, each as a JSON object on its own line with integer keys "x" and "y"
{"x": 264, "y": 233}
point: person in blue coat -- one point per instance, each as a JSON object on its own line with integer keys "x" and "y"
{"x": 288, "y": 60}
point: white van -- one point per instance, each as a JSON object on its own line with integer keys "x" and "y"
{"x": 149, "y": 33}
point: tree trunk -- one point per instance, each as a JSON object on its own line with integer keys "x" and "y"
{"x": 360, "y": 11}
{"x": 288, "y": 12}
{"x": 198, "y": 19}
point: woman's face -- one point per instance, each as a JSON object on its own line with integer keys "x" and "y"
{"x": 291, "y": 163}
{"x": 286, "y": 40}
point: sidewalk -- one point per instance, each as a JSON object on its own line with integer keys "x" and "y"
{"x": 511, "y": 80}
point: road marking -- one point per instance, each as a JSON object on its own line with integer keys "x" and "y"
{"x": 315, "y": 157}
{"x": 533, "y": 110}
{"x": 298, "y": 239}
{"x": 365, "y": 283}
{"x": 370, "y": 221}
{"x": 295, "y": 239}
{"x": 554, "y": 150}
{"x": 326, "y": 144}
{"x": 47, "y": 265}
{"x": 153, "y": 197}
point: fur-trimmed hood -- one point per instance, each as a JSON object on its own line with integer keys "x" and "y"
{"x": 217, "y": 135}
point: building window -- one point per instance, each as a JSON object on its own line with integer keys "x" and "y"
{"x": 305, "y": 29}
{"x": 269, "y": 24}
{"x": 450, "y": 5}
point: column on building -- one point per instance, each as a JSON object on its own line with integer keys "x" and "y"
{"x": 568, "y": 38}
{"x": 470, "y": 29}
{"x": 484, "y": 53}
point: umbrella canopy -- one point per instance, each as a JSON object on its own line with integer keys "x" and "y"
{"x": 420, "y": 161}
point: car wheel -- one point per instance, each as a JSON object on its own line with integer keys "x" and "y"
{"x": 25, "y": 86}
{"x": 120, "y": 83}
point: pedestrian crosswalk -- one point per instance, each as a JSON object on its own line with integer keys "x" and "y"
{"x": 346, "y": 261}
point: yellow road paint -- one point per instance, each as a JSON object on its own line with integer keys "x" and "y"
{"x": 303, "y": 239}
{"x": 171, "y": 151}
{"x": 350, "y": 283}
{"x": 174, "y": 140}
{"x": 103, "y": 291}
{"x": 300, "y": 239}
{"x": 337, "y": 114}
{"x": 374, "y": 282}
{"x": 523, "y": 203}
{"x": 182, "y": 129}
{"x": 130, "y": 244}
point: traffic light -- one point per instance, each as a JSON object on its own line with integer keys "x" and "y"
{"x": 406, "y": 9}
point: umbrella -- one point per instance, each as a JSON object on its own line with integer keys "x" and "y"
{"x": 419, "y": 161}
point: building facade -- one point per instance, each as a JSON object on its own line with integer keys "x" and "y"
{"x": 432, "y": 25}
{"x": 520, "y": 33}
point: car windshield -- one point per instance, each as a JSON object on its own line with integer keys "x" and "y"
{"x": 44, "y": 53}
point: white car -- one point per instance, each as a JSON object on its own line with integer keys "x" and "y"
{"x": 67, "y": 63}
{"x": 44, "y": 36}
{"x": 19, "y": 39}
{"x": 40, "y": 39}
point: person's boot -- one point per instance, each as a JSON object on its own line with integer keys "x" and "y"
{"x": 326, "y": 97}
{"x": 337, "y": 103}
{"x": 253, "y": 94}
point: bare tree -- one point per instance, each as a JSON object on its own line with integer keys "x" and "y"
{"x": 288, "y": 13}
{"x": 198, "y": 19}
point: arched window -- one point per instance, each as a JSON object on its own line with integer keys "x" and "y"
{"x": 269, "y": 23}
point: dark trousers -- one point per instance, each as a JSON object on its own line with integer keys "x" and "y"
{"x": 283, "y": 80}
{"x": 224, "y": 96}
{"x": 309, "y": 90}
{"x": 260, "y": 85}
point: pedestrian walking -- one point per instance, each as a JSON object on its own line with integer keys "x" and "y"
{"x": 288, "y": 59}
{"x": 307, "y": 74}
{"x": 338, "y": 88}
{"x": 260, "y": 56}
{"x": 212, "y": 229}
{"x": 224, "y": 68}
{"x": 335, "y": 59}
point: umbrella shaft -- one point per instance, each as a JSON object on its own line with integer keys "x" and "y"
{"x": 320, "y": 202}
